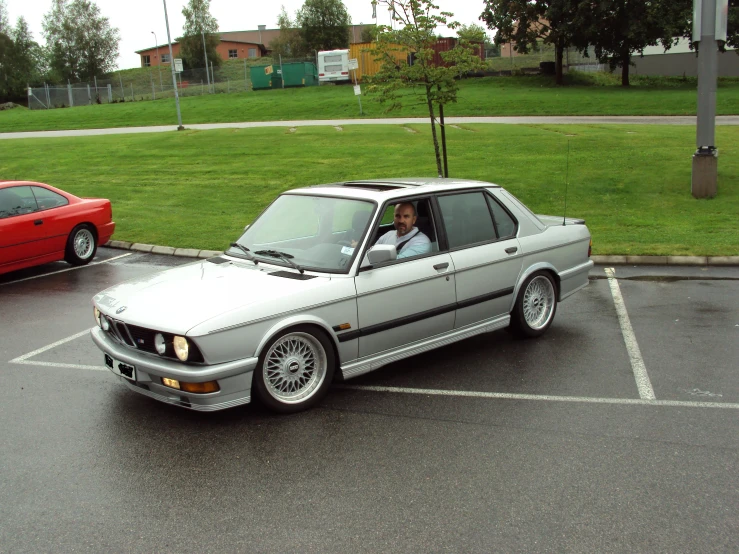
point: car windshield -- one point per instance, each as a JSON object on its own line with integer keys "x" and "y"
{"x": 316, "y": 233}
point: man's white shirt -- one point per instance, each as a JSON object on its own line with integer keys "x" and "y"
{"x": 416, "y": 242}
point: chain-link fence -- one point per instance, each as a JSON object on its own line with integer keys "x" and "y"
{"x": 153, "y": 83}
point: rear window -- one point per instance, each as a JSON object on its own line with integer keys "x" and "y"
{"x": 332, "y": 59}
{"x": 333, "y": 68}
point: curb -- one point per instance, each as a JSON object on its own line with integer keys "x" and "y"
{"x": 600, "y": 260}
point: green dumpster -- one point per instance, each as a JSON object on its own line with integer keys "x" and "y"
{"x": 299, "y": 74}
{"x": 262, "y": 77}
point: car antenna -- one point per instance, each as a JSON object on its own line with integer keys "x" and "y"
{"x": 567, "y": 177}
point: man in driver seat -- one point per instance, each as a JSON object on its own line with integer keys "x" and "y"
{"x": 408, "y": 240}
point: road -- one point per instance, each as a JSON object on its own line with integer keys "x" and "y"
{"x": 491, "y": 444}
{"x": 522, "y": 120}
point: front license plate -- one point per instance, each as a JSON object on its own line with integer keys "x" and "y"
{"x": 121, "y": 368}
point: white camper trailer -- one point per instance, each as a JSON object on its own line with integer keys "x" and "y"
{"x": 333, "y": 66}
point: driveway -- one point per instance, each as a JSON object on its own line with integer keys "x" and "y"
{"x": 616, "y": 431}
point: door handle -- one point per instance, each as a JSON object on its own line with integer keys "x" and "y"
{"x": 441, "y": 266}
{"x": 511, "y": 250}
{"x": 38, "y": 222}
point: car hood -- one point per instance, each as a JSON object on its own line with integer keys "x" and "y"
{"x": 179, "y": 299}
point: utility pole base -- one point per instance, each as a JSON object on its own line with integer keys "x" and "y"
{"x": 705, "y": 173}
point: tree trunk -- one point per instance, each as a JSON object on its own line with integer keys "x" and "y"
{"x": 625, "y": 63}
{"x": 433, "y": 131}
{"x": 558, "y": 58}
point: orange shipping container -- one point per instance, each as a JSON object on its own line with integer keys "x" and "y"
{"x": 365, "y": 59}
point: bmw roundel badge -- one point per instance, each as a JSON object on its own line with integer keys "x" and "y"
{"x": 120, "y": 310}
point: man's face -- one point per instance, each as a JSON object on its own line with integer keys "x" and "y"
{"x": 404, "y": 219}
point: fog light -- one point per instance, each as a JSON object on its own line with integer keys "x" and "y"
{"x": 201, "y": 388}
{"x": 172, "y": 383}
{"x": 104, "y": 323}
{"x": 160, "y": 344}
{"x": 181, "y": 348}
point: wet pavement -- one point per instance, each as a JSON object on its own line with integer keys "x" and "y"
{"x": 490, "y": 444}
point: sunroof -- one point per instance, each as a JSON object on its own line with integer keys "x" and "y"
{"x": 374, "y": 186}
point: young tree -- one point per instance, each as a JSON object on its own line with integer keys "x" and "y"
{"x": 81, "y": 42}
{"x": 199, "y": 25}
{"x": 524, "y": 22}
{"x": 324, "y": 24}
{"x": 369, "y": 33}
{"x": 430, "y": 84}
{"x": 289, "y": 44}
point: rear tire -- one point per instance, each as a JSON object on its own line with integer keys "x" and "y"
{"x": 81, "y": 245}
{"x": 535, "y": 306}
{"x": 295, "y": 370}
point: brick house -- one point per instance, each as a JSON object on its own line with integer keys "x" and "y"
{"x": 227, "y": 49}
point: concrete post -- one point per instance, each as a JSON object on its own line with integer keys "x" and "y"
{"x": 69, "y": 93}
{"x": 110, "y": 93}
{"x": 704, "y": 181}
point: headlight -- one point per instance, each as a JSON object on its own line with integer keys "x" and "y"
{"x": 160, "y": 344}
{"x": 181, "y": 348}
{"x": 96, "y": 313}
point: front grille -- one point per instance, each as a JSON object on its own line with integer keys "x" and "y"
{"x": 143, "y": 339}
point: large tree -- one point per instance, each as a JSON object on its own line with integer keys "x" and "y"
{"x": 4, "y": 22}
{"x": 199, "y": 25}
{"x": 289, "y": 44}
{"x": 430, "y": 83}
{"x": 324, "y": 24}
{"x": 25, "y": 64}
{"x": 620, "y": 29}
{"x": 525, "y": 22}
{"x": 81, "y": 43}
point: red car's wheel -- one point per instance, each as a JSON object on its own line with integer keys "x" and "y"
{"x": 81, "y": 245}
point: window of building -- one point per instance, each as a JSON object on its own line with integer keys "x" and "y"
{"x": 233, "y": 54}
{"x": 145, "y": 61}
{"x": 252, "y": 52}
{"x": 165, "y": 58}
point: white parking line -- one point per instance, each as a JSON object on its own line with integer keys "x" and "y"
{"x": 646, "y": 392}
{"x": 21, "y": 359}
{"x": 69, "y": 269}
{"x": 544, "y": 397}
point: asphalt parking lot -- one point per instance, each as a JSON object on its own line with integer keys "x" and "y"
{"x": 617, "y": 431}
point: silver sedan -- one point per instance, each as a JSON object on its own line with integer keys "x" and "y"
{"x": 333, "y": 281}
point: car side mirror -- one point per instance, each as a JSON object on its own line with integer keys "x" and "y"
{"x": 381, "y": 253}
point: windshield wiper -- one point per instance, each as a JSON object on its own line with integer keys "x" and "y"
{"x": 245, "y": 250}
{"x": 282, "y": 255}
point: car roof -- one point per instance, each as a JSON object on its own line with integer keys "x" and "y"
{"x": 384, "y": 189}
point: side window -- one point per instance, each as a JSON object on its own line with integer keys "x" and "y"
{"x": 16, "y": 201}
{"x": 409, "y": 226}
{"x": 48, "y": 199}
{"x": 504, "y": 222}
{"x": 467, "y": 219}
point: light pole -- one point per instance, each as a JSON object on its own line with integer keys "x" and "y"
{"x": 205, "y": 54}
{"x": 159, "y": 62}
{"x": 171, "y": 65}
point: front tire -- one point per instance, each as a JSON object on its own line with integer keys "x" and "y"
{"x": 81, "y": 245}
{"x": 535, "y": 306}
{"x": 295, "y": 370}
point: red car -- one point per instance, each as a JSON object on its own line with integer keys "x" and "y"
{"x": 41, "y": 224}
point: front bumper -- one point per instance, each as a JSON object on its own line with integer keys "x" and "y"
{"x": 234, "y": 378}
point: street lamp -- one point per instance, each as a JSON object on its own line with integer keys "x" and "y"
{"x": 159, "y": 62}
{"x": 205, "y": 54}
{"x": 171, "y": 65}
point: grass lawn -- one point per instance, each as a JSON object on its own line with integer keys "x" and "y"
{"x": 199, "y": 188}
{"x": 489, "y": 96}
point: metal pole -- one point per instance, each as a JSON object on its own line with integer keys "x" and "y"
{"x": 359, "y": 96}
{"x": 212, "y": 77}
{"x": 123, "y": 94}
{"x": 705, "y": 160}
{"x": 174, "y": 76}
{"x": 159, "y": 62}
{"x": 246, "y": 80}
{"x": 282, "y": 73}
{"x": 133, "y": 99}
{"x": 205, "y": 54}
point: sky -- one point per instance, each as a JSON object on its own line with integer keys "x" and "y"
{"x": 136, "y": 19}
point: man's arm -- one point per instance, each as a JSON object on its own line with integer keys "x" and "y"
{"x": 420, "y": 244}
